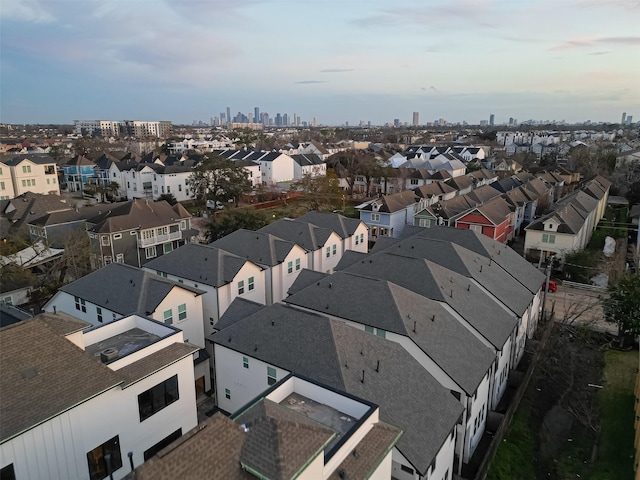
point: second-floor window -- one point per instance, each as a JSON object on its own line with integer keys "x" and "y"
{"x": 290, "y": 267}
{"x": 328, "y": 252}
{"x": 375, "y": 217}
{"x": 548, "y": 238}
{"x": 80, "y": 304}
{"x": 297, "y": 264}
{"x": 158, "y": 397}
{"x": 240, "y": 287}
{"x": 251, "y": 284}
{"x": 168, "y": 317}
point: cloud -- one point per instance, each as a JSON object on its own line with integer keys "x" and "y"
{"x": 593, "y": 42}
{"x": 336, "y": 70}
{"x": 599, "y": 53}
{"x": 308, "y": 82}
{"x": 25, "y": 11}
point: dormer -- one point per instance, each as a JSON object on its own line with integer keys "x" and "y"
{"x": 375, "y": 206}
{"x": 550, "y": 225}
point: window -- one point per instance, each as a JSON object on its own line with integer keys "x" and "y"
{"x": 105, "y": 240}
{"x": 80, "y": 304}
{"x": 99, "y": 314}
{"x": 6, "y": 301}
{"x": 368, "y": 329}
{"x": 151, "y": 452}
{"x": 424, "y": 222}
{"x": 150, "y": 252}
{"x": 117, "y": 236}
{"x": 548, "y": 238}
{"x": 375, "y": 217}
{"x": 183, "y": 224}
{"x": 120, "y": 258}
{"x": 162, "y": 231}
{"x": 2, "y": 186}
{"x": 180, "y": 187}
{"x": 97, "y": 462}
{"x": 24, "y": 183}
{"x": 251, "y": 284}
{"x": 167, "y": 247}
{"x": 48, "y": 181}
{"x": 381, "y": 333}
{"x": 241, "y": 287}
{"x": 33, "y": 182}
{"x": 335, "y": 249}
{"x": 271, "y": 375}
{"x": 357, "y": 239}
{"x": 414, "y": 181}
{"x": 290, "y": 267}
{"x": 245, "y": 362}
{"x": 297, "y": 264}
{"x": 362, "y": 238}
{"x": 168, "y": 317}
{"x": 132, "y": 232}
{"x": 227, "y": 394}
{"x": 475, "y": 228}
{"x": 328, "y": 252}
{"x": 8, "y": 473}
{"x": 406, "y": 469}
{"x": 158, "y": 397}
{"x": 182, "y": 312}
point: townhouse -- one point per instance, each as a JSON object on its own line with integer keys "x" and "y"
{"x": 36, "y": 173}
{"x": 151, "y": 180}
{"x": 138, "y": 231}
{"x": 77, "y": 402}
{"x": 308, "y": 164}
{"x": 223, "y": 277}
{"x": 570, "y": 225}
{"x": 416, "y": 321}
{"x": 388, "y": 215}
{"x": 6, "y": 183}
{"x": 78, "y": 172}
{"x": 119, "y": 290}
{"x": 323, "y": 246}
{"x": 298, "y": 428}
{"x": 354, "y": 233}
{"x": 282, "y": 260}
{"x": 257, "y": 351}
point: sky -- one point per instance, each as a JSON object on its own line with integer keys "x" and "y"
{"x": 339, "y": 61}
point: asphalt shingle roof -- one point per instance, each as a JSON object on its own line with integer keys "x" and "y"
{"x": 259, "y": 247}
{"x": 200, "y": 263}
{"x": 338, "y": 355}
{"x": 343, "y": 226}
{"x": 308, "y": 236}
{"x": 124, "y": 289}
{"x": 424, "y": 319}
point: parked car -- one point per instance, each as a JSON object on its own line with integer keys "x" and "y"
{"x": 552, "y": 286}
{"x": 214, "y": 205}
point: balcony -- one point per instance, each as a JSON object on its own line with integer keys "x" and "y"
{"x": 158, "y": 239}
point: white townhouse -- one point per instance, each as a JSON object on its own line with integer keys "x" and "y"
{"x": 118, "y": 290}
{"x": 323, "y": 246}
{"x": 7, "y": 191}
{"x": 257, "y": 351}
{"x": 88, "y": 404}
{"x": 276, "y": 167}
{"x": 353, "y": 232}
{"x": 417, "y": 317}
{"x": 282, "y": 260}
{"x": 33, "y": 173}
{"x": 151, "y": 180}
{"x": 308, "y": 164}
{"x": 223, "y": 277}
{"x": 322, "y": 426}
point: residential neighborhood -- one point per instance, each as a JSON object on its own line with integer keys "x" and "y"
{"x": 390, "y": 334}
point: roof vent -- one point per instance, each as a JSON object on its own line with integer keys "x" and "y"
{"x": 108, "y": 354}
{"x": 29, "y": 373}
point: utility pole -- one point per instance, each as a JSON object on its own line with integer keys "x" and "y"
{"x": 546, "y": 285}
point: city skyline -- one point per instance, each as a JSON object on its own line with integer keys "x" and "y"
{"x": 376, "y": 61}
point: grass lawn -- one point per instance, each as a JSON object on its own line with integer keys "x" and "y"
{"x": 515, "y": 456}
{"x": 615, "y": 459}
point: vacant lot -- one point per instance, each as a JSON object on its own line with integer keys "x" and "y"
{"x": 576, "y": 419}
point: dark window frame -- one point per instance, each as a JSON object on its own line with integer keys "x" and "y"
{"x": 158, "y": 398}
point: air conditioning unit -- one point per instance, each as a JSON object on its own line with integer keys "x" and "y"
{"x": 108, "y": 354}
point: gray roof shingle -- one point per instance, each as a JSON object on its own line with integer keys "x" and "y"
{"x": 338, "y": 355}
{"x": 124, "y": 289}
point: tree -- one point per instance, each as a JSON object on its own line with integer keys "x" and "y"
{"x": 233, "y": 220}
{"x": 169, "y": 198}
{"x": 218, "y": 179}
{"x": 623, "y": 306}
{"x": 320, "y": 193}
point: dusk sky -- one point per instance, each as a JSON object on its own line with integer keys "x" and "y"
{"x": 339, "y": 61}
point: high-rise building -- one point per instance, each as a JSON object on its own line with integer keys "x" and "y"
{"x": 223, "y": 118}
{"x": 511, "y": 121}
{"x": 629, "y": 119}
{"x": 228, "y": 114}
{"x": 250, "y": 118}
{"x": 492, "y": 119}
{"x": 278, "y": 120}
{"x": 256, "y": 114}
{"x": 396, "y": 122}
{"x": 285, "y": 119}
{"x": 416, "y": 119}
{"x": 624, "y": 118}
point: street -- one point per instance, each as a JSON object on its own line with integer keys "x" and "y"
{"x": 581, "y": 307}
